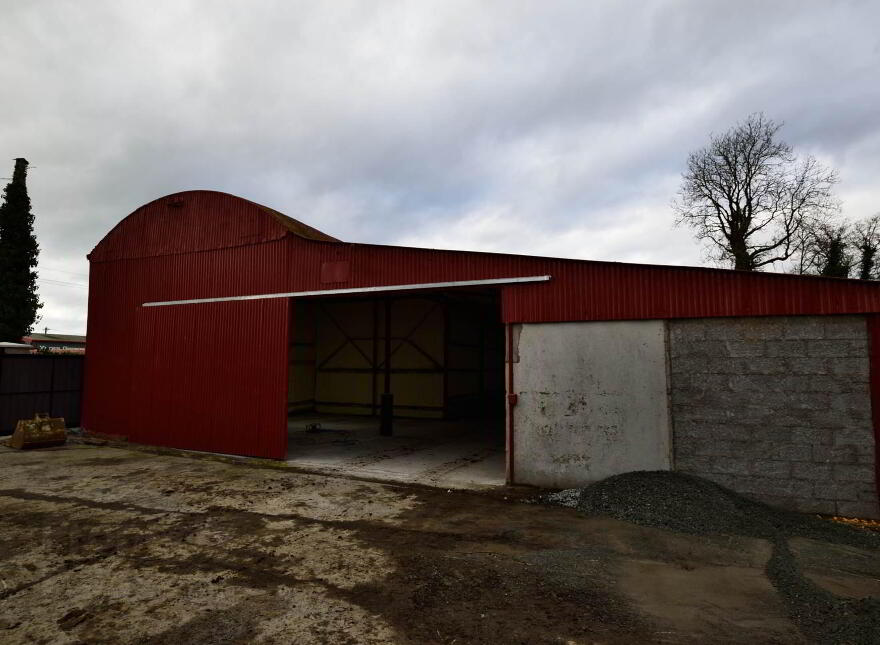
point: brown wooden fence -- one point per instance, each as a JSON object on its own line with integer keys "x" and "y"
{"x": 31, "y": 383}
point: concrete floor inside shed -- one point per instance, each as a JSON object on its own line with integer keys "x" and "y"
{"x": 454, "y": 454}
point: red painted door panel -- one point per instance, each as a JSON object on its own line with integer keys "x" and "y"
{"x": 212, "y": 377}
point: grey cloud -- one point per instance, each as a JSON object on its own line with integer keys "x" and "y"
{"x": 554, "y": 128}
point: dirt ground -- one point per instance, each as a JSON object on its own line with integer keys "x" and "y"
{"x": 104, "y": 545}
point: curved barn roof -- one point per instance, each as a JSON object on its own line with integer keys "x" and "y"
{"x": 182, "y": 225}
{"x": 197, "y": 220}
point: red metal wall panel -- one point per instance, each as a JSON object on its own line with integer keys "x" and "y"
{"x": 586, "y": 290}
{"x": 118, "y": 289}
{"x": 216, "y": 245}
{"x": 208, "y": 377}
{"x": 197, "y": 220}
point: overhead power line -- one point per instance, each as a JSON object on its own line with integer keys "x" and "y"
{"x": 53, "y": 270}
{"x": 62, "y": 283}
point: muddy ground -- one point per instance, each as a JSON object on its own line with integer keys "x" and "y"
{"x": 104, "y": 545}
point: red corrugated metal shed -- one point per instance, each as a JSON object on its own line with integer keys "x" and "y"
{"x": 199, "y": 375}
{"x": 154, "y": 375}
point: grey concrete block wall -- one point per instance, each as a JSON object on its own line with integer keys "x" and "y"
{"x": 776, "y": 408}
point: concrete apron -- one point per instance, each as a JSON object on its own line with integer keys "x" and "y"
{"x": 421, "y": 461}
{"x": 430, "y": 452}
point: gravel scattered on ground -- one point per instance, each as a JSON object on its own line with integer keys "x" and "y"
{"x": 690, "y": 504}
{"x": 568, "y": 497}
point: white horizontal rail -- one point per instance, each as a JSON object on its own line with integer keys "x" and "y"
{"x": 340, "y": 292}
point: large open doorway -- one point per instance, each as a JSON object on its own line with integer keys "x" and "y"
{"x": 440, "y": 355}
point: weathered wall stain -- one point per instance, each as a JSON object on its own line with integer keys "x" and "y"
{"x": 592, "y": 401}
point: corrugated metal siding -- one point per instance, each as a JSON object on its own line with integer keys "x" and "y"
{"x": 595, "y": 291}
{"x": 217, "y": 245}
{"x": 585, "y": 290}
{"x": 187, "y": 222}
{"x": 31, "y": 383}
{"x": 116, "y": 292}
{"x": 209, "y": 378}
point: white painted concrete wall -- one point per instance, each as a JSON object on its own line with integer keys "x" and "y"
{"x": 592, "y": 401}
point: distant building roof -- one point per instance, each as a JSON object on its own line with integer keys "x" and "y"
{"x": 56, "y": 338}
{"x": 15, "y": 348}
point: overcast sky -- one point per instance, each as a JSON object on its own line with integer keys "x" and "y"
{"x": 551, "y": 128}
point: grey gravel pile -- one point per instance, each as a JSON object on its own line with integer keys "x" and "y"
{"x": 693, "y": 505}
{"x": 568, "y": 497}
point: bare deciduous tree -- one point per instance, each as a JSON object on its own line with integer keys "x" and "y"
{"x": 827, "y": 251}
{"x": 750, "y": 196}
{"x": 865, "y": 237}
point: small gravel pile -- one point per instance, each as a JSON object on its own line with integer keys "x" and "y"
{"x": 568, "y": 497}
{"x": 673, "y": 501}
{"x": 689, "y": 504}
{"x": 694, "y": 505}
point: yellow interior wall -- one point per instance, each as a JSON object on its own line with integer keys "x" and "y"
{"x": 346, "y": 351}
{"x": 337, "y": 358}
{"x": 301, "y": 368}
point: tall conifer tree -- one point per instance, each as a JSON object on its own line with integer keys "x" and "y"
{"x": 19, "y": 302}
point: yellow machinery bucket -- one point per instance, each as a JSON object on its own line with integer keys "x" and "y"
{"x": 39, "y": 432}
